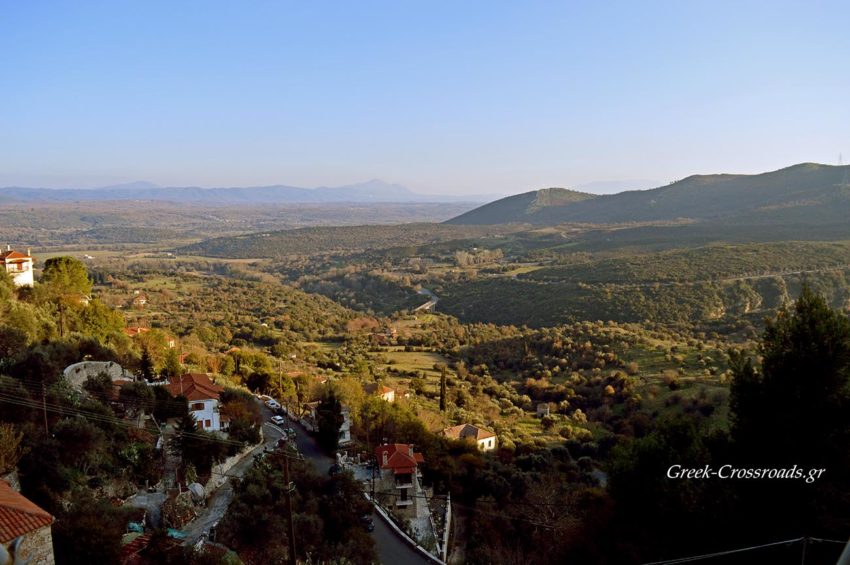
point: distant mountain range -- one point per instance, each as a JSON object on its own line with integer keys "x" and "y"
{"x": 371, "y": 191}
{"x": 807, "y": 193}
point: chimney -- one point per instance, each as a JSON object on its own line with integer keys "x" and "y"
{"x": 28, "y": 252}
{"x": 385, "y": 457}
{"x": 410, "y": 449}
{"x": 8, "y": 247}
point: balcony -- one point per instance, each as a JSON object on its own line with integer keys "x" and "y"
{"x": 403, "y": 503}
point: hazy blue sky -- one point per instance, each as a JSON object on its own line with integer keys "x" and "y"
{"x": 462, "y": 97}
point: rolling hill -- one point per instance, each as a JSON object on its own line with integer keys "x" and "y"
{"x": 521, "y": 208}
{"x": 807, "y": 193}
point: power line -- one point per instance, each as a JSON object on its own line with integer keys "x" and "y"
{"x": 742, "y": 550}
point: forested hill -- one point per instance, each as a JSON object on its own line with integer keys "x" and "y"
{"x": 519, "y": 208}
{"x": 808, "y": 193}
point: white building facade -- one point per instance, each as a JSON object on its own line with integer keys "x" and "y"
{"x": 19, "y": 266}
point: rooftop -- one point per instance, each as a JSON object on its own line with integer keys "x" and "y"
{"x": 400, "y": 457}
{"x": 10, "y": 255}
{"x": 467, "y": 431}
{"x": 194, "y": 386}
{"x": 18, "y": 515}
{"x": 375, "y": 388}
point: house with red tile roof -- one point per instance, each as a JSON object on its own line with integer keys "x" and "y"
{"x": 133, "y": 331}
{"x": 18, "y": 265}
{"x": 24, "y": 527}
{"x": 399, "y": 480}
{"x": 385, "y": 392}
{"x": 203, "y": 398}
{"x": 485, "y": 439}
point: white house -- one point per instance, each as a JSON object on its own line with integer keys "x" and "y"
{"x": 18, "y": 265}
{"x": 385, "y": 392}
{"x": 485, "y": 439}
{"x": 203, "y": 398}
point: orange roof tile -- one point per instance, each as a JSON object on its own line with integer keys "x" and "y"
{"x": 18, "y": 515}
{"x": 12, "y": 254}
{"x": 194, "y": 386}
{"x": 400, "y": 458}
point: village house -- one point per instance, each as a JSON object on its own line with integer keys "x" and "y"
{"x": 203, "y": 399}
{"x": 485, "y": 439}
{"x": 139, "y": 301}
{"x": 375, "y": 389}
{"x": 18, "y": 265}
{"x": 24, "y": 528}
{"x": 542, "y": 409}
{"x": 399, "y": 478}
{"x": 133, "y": 331}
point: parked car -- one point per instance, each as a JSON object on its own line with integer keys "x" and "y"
{"x": 335, "y": 469}
{"x": 367, "y": 522}
{"x": 272, "y": 403}
{"x": 278, "y": 420}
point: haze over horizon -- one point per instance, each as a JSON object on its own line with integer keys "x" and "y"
{"x": 471, "y": 99}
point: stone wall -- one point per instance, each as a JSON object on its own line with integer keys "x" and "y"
{"x": 219, "y": 477}
{"x": 37, "y": 547}
{"x": 77, "y": 373}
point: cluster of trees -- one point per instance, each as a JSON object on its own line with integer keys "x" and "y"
{"x": 478, "y": 257}
{"x": 326, "y": 514}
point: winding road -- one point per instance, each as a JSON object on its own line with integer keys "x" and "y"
{"x": 220, "y": 500}
{"x": 391, "y": 549}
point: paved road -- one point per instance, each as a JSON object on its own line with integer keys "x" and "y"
{"x": 220, "y": 500}
{"x": 392, "y": 550}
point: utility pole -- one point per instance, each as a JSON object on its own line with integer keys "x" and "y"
{"x": 289, "y": 487}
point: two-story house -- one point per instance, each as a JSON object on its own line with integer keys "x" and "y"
{"x": 18, "y": 265}
{"x": 203, "y": 398}
{"x": 398, "y": 483}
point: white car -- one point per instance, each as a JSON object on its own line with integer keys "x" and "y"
{"x": 278, "y": 420}
{"x": 272, "y": 403}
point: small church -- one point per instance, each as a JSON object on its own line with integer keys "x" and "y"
{"x": 18, "y": 265}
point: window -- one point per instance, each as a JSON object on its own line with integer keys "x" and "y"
{"x": 197, "y": 406}
{"x": 207, "y": 424}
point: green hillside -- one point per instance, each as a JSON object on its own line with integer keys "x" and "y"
{"x": 521, "y": 208}
{"x": 805, "y": 193}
